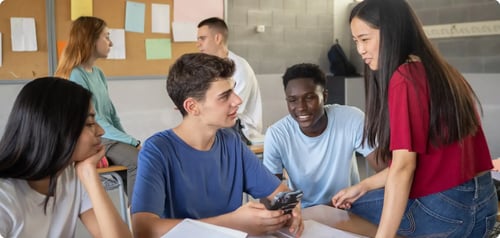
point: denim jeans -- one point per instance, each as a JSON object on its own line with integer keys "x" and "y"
{"x": 467, "y": 210}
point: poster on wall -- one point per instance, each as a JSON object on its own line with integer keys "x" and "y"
{"x": 134, "y": 16}
{"x": 188, "y": 13}
{"x": 160, "y": 18}
{"x": 81, "y": 8}
{"x": 117, "y": 36}
{"x": 23, "y": 34}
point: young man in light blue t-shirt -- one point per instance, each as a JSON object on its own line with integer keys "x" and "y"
{"x": 315, "y": 143}
{"x": 199, "y": 169}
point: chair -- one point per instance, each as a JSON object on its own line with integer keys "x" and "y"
{"x": 111, "y": 180}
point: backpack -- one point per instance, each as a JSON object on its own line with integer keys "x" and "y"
{"x": 339, "y": 64}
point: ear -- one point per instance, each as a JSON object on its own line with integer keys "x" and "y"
{"x": 218, "y": 38}
{"x": 191, "y": 106}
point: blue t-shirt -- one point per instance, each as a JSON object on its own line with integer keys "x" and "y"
{"x": 323, "y": 165}
{"x": 175, "y": 180}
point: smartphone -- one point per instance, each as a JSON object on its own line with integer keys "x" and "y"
{"x": 285, "y": 201}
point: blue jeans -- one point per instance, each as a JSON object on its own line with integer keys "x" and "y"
{"x": 467, "y": 210}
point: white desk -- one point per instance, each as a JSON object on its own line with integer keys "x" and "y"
{"x": 340, "y": 219}
{"x": 335, "y": 218}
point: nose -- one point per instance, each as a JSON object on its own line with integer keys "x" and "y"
{"x": 110, "y": 43}
{"x": 237, "y": 100}
{"x": 99, "y": 130}
{"x": 300, "y": 104}
{"x": 361, "y": 49}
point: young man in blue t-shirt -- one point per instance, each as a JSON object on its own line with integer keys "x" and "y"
{"x": 198, "y": 169}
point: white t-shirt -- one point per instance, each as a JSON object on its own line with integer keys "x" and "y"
{"x": 319, "y": 166}
{"x": 247, "y": 87}
{"x": 21, "y": 208}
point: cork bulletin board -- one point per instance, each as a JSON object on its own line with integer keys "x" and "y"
{"x": 23, "y": 64}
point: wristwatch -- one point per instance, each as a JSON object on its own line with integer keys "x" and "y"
{"x": 138, "y": 143}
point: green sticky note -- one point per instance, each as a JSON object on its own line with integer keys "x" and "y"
{"x": 158, "y": 49}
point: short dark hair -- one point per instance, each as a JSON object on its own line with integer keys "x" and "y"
{"x": 191, "y": 75}
{"x": 216, "y": 24}
{"x": 43, "y": 128}
{"x": 305, "y": 70}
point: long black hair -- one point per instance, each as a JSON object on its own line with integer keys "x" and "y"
{"x": 43, "y": 128}
{"x": 452, "y": 101}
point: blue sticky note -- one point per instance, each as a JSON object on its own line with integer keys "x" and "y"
{"x": 158, "y": 49}
{"x": 134, "y": 17}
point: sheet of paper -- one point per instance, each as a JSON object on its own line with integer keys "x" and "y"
{"x": 197, "y": 10}
{"x": 1, "y": 53}
{"x": 193, "y": 228}
{"x": 23, "y": 34}
{"x": 313, "y": 229}
{"x": 117, "y": 36}
{"x": 184, "y": 31}
{"x": 158, "y": 49}
{"x": 81, "y": 8}
{"x": 160, "y": 18}
{"x": 134, "y": 16}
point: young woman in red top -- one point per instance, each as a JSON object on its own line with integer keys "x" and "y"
{"x": 422, "y": 115}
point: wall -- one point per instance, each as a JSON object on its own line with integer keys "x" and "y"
{"x": 296, "y": 31}
{"x": 150, "y": 109}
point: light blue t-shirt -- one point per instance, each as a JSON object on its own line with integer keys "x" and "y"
{"x": 319, "y": 166}
{"x": 174, "y": 180}
{"x": 106, "y": 115}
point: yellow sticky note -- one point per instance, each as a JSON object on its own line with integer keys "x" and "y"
{"x": 81, "y": 8}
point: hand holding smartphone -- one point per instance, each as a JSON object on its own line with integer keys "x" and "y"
{"x": 285, "y": 201}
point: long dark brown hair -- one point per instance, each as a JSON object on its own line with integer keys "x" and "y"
{"x": 44, "y": 125}
{"x": 452, "y": 101}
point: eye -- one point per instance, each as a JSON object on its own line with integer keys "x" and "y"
{"x": 291, "y": 100}
{"x": 225, "y": 96}
{"x": 310, "y": 97}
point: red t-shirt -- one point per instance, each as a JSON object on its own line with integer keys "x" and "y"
{"x": 438, "y": 169}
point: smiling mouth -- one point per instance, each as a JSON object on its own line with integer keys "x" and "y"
{"x": 303, "y": 117}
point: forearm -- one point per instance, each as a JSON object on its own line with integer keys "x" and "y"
{"x": 396, "y": 195}
{"x": 109, "y": 221}
{"x": 229, "y": 220}
{"x": 150, "y": 225}
{"x": 114, "y": 133}
{"x": 375, "y": 181}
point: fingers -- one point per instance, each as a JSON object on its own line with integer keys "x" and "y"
{"x": 256, "y": 205}
{"x": 338, "y": 199}
{"x": 297, "y": 226}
